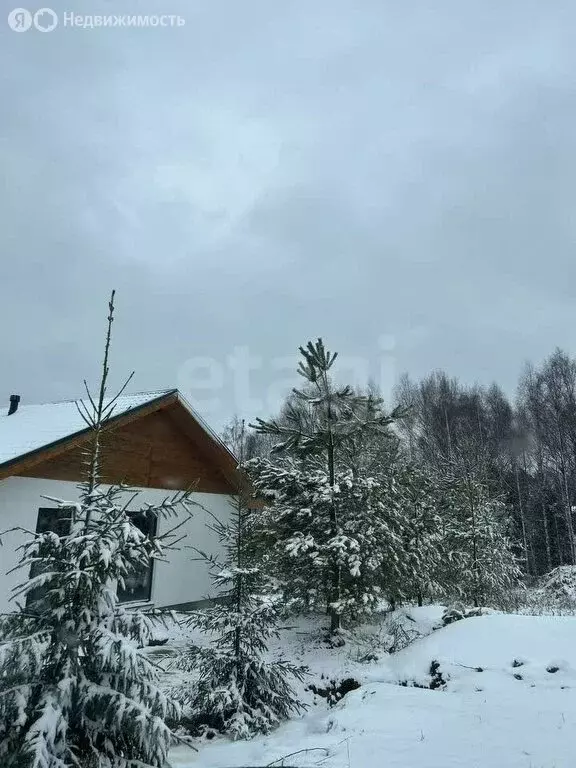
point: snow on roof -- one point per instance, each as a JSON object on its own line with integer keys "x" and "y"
{"x": 35, "y": 426}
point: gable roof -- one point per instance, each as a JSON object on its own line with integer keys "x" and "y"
{"x": 35, "y": 431}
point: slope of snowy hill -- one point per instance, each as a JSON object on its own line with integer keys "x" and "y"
{"x": 503, "y": 694}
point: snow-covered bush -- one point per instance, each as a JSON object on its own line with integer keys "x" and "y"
{"x": 553, "y": 594}
{"x": 457, "y": 613}
{"x": 394, "y": 634}
{"x": 560, "y": 584}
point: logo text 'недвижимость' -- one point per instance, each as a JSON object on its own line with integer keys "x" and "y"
{"x": 46, "y": 20}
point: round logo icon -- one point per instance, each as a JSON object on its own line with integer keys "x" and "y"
{"x": 45, "y": 20}
{"x": 20, "y": 20}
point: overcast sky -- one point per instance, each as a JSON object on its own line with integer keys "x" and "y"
{"x": 399, "y": 178}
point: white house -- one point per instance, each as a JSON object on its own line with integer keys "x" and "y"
{"x": 155, "y": 443}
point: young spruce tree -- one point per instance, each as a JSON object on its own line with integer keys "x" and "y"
{"x": 239, "y": 691}
{"x": 75, "y": 690}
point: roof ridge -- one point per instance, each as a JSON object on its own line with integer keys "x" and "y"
{"x": 36, "y": 430}
{"x": 142, "y": 392}
{"x": 203, "y": 423}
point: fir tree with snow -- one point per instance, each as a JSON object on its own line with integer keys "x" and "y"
{"x": 75, "y": 687}
{"x": 240, "y": 690}
{"x": 322, "y": 506}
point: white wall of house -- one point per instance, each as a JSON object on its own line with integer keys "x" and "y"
{"x": 179, "y": 580}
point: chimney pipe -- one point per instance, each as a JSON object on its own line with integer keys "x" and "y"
{"x": 14, "y": 400}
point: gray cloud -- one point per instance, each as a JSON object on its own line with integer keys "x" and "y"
{"x": 269, "y": 173}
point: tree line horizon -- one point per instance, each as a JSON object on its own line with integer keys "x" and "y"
{"x": 523, "y": 446}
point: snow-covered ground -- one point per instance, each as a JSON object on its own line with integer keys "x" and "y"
{"x": 507, "y": 698}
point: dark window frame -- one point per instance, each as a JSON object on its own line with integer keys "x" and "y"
{"x": 141, "y": 589}
{"x": 59, "y": 519}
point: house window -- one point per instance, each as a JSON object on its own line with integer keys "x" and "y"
{"x": 138, "y": 584}
{"x": 57, "y": 520}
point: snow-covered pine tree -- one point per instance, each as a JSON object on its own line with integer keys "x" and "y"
{"x": 316, "y": 428}
{"x": 370, "y": 452}
{"x": 416, "y": 492}
{"x": 478, "y": 559}
{"x": 240, "y": 691}
{"x": 75, "y": 688}
{"x": 293, "y": 528}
